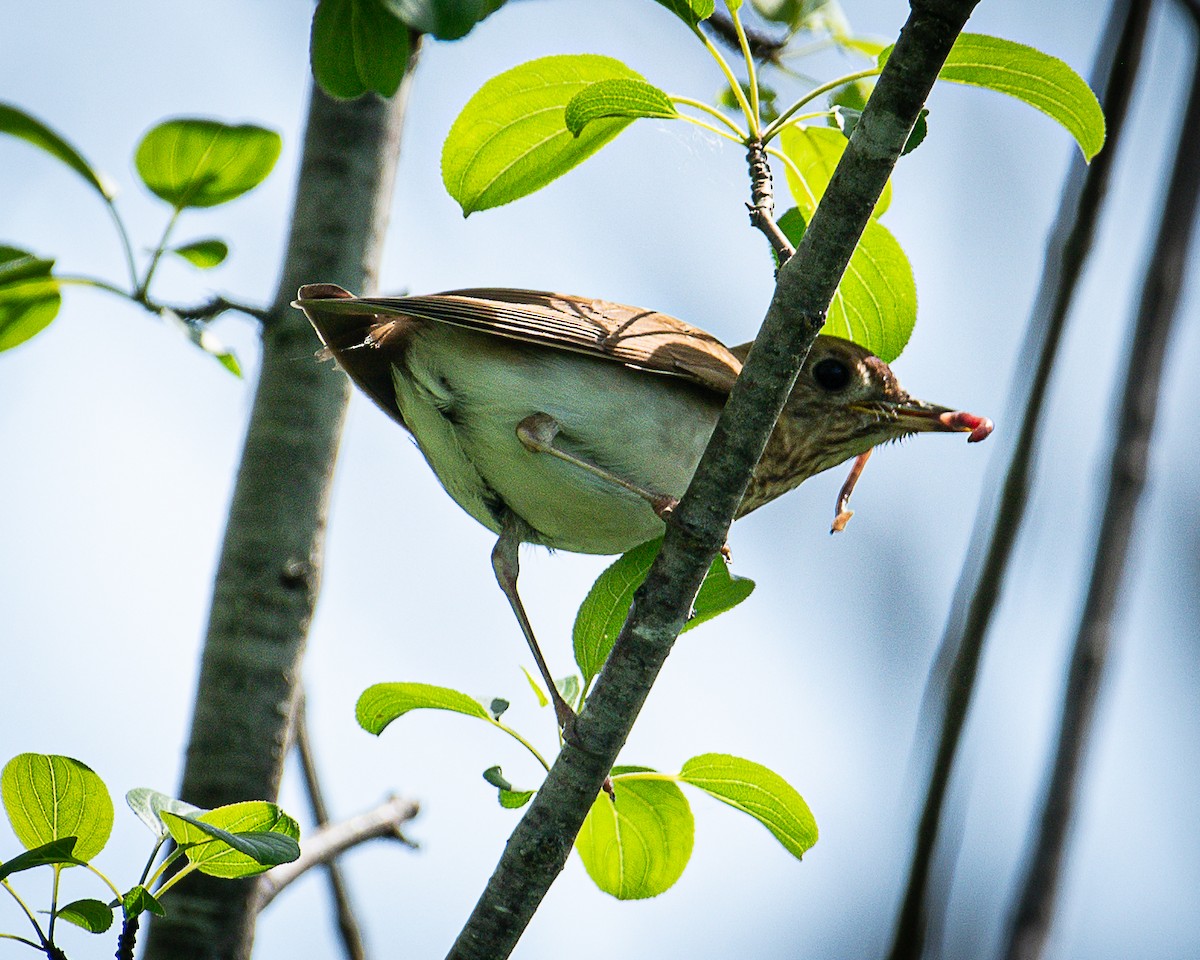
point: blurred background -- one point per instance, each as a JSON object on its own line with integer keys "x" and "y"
{"x": 120, "y": 441}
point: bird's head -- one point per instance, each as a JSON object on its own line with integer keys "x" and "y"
{"x": 845, "y": 401}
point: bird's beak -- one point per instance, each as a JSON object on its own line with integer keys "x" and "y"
{"x": 915, "y": 416}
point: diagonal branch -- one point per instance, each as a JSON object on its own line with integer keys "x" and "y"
{"x": 1157, "y": 310}
{"x": 948, "y": 695}
{"x": 538, "y": 848}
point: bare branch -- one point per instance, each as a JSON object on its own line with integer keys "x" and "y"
{"x": 347, "y": 921}
{"x": 325, "y": 845}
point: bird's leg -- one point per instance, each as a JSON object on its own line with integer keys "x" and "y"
{"x": 844, "y": 515}
{"x": 537, "y": 433}
{"x": 507, "y": 566}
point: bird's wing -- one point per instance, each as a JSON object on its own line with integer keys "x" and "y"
{"x": 638, "y": 338}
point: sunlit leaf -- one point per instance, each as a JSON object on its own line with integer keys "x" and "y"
{"x": 638, "y": 844}
{"x": 149, "y": 804}
{"x": 202, "y": 163}
{"x": 606, "y": 607}
{"x": 814, "y": 153}
{"x": 238, "y": 840}
{"x": 758, "y": 791}
{"x": 621, "y": 97}
{"x": 93, "y": 915}
{"x": 48, "y": 797}
{"x": 138, "y": 900}
{"x": 17, "y": 123}
{"x": 382, "y": 703}
{"x": 511, "y": 138}
{"x": 876, "y": 302}
{"x": 203, "y": 254}
{"x": 30, "y": 297}
{"x": 1038, "y": 79}
{"x": 357, "y": 47}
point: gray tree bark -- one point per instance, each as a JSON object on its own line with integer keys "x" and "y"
{"x": 270, "y": 567}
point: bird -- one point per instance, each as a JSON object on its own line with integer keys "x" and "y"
{"x": 577, "y": 423}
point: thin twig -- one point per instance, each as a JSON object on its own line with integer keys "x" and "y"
{"x": 538, "y": 848}
{"x": 348, "y": 926}
{"x": 323, "y": 846}
{"x": 1157, "y": 310}
{"x": 209, "y": 309}
{"x": 952, "y": 679}
{"x": 762, "y": 202}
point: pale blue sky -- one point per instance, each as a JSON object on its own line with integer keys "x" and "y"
{"x": 120, "y": 443}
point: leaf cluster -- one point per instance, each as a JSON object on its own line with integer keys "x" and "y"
{"x": 638, "y": 837}
{"x": 190, "y": 164}
{"x": 61, "y": 813}
{"x": 531, "y": 124}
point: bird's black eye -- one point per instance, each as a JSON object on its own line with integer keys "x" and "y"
{"x": 830, "y": 374}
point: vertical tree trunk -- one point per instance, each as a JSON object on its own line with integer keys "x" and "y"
{"x": 269, "y": 572}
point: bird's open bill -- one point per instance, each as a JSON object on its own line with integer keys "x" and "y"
{"x": 916, "y": 417}
{"x": 577, "y": 423}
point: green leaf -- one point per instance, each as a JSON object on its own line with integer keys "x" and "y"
{"x": 18, "y": 123}
{"x": 238, "y": 840}
{"x": 56, "y": 851}
{"x": 690, "y": 12}
{"x": 510, "y": 798}
{"x": 918, "y": 133}
{"x": 876, "y": 302}
{"x": 29, "y": 296}
{"x": 357, "y": 47}
{"x": 138, "y": 900}
{"x": 149, "y": 804}
{"x": 538, "y": 692}
{"x": 444, "y": 19}
{"x": 762, "y": 793}
{"x": 605, "y": 608}
{"x": 1040, "y": 80}
{"x": 569, "y": 688}
{"x": 511, "y": 138}
{"x": 384, "y": 702}
{"x": 638, "y": 844}
{"x": 621, "y": 97}
{"x": 815, "y": 152}
{"x": 203, "y": 254}
{"x": 48, "y": 797}
{"x": 202, "y": 163}
{"x": 1037, "y": 78}
{"x": 93, "y": 915}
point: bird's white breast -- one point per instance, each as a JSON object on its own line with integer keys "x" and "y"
{"x": 462, "y": 394}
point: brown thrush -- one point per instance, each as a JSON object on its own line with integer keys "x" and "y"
{"x": 576, "y": 424}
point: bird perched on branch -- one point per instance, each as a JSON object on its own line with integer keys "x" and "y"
{"x": 577, "y": 424}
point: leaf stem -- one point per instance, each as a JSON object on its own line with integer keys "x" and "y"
{"x": 126, "y": 245}
{"x": 711, "y": 111}
{"x": 525, "y": 743}
{"x": 108, "y": 883}
{"x": 28, "y": 913}
{"x": 751, "y": 77}
{"x": 186, "y": 871}
{"x": 782, "y": 120}
{"x": 736, "y": 88}
{"x": 142, "y": 290}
